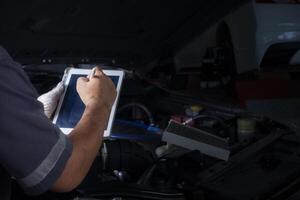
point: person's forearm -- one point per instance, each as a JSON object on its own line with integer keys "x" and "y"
{"x": 86, "y": 138}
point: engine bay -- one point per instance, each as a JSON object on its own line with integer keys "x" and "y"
{"x": 169, "y": 145}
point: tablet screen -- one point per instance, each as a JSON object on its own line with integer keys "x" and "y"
{"x": 72, "y": 107}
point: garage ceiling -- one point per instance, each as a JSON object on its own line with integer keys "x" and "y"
{"x": 129, "y": 31}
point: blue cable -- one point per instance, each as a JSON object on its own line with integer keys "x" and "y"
{"x": 140, "y": 125}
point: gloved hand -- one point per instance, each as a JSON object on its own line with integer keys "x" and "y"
{"x": 50, "y": 99}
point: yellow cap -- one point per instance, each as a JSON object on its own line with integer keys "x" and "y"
{"x": 196, "y": 108}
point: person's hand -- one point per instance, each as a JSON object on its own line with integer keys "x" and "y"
{"x": 50, "y": 99}
{"x": 97, "y": 90}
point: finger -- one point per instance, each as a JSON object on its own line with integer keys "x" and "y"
{"x": 98, "y": 71}
{"x": 59, "y": 88}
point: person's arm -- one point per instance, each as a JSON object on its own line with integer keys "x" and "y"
{"x": 35, "y": 151}
{"x": 98, "y": 94}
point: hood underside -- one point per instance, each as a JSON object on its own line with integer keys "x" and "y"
{"x": 128, "y": 32}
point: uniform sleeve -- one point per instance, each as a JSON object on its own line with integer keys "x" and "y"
{"x": 32, "y": 149}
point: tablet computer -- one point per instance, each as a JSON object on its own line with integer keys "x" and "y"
{"x": 70, "y": 107}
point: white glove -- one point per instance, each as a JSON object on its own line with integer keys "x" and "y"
{"x": 50, "y": 99}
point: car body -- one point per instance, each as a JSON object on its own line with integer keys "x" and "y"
{"x": 259, "y": 31}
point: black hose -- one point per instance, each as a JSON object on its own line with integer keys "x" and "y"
{"x": 132, "y": 191}
{"x": 141, "y": 106}
{"x": 144, "y": 180}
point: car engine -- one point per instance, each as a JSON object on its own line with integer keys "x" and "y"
{"x": 168, "y": 145}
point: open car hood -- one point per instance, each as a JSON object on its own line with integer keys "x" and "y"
{"x": 128, "y": 32}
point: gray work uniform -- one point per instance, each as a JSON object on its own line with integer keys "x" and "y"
{"x": 32, "y": 149}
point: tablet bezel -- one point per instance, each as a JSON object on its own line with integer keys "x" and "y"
{"x": 86, "y": 72}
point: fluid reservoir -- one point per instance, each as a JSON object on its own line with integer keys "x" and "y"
{"x": 246, "y": 128}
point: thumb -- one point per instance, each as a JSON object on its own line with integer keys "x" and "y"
{"x": 98, "y": 71}
{"x": 59, "y": 87}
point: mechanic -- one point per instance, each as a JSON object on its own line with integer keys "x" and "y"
{"x": 33, "y": 151}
